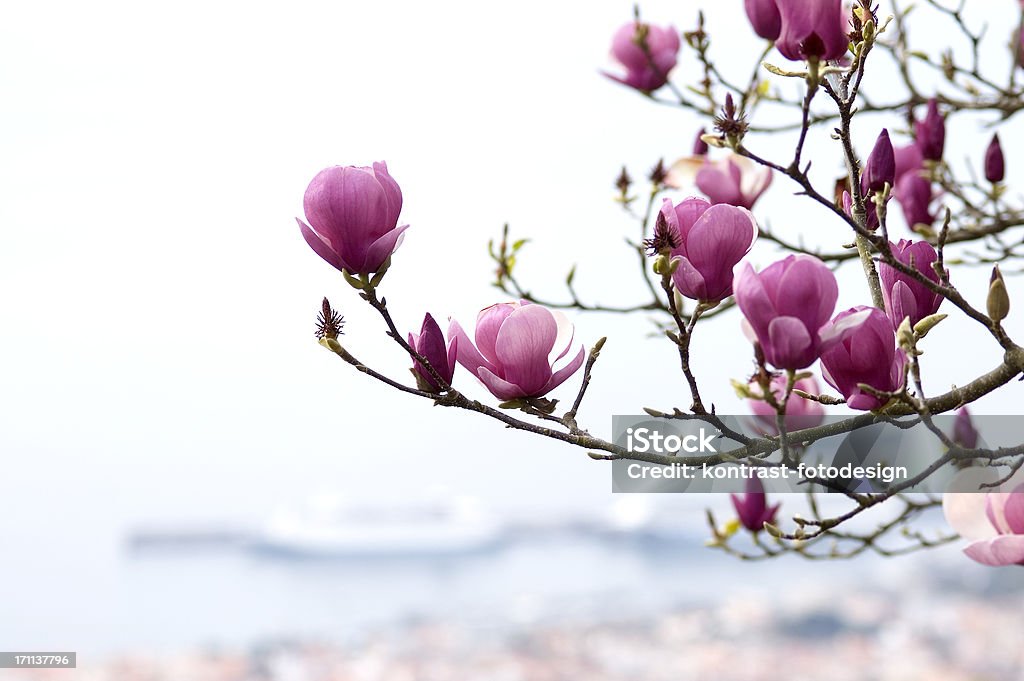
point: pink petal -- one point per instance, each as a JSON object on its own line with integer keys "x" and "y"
{"x": 995, "y": 503}
{"x": 718, "y": 184}
{"x": 688, "y": 281}
{"x": 466, "y": 352}
{"x": 320, "y": 247}
{"x": 453, "y": 353}
{"x": 563, "y": 339}
{"x": 392, "y": 192}
{"x": 837, "y": 330}
{"x": 902, "y": 303}
{"x": 562, "y": 374}
{"x": 862, "y": 401}
{"x": 807, "y": 291}
{"x": 789, "y": 343}
{"x": 687, "y": 213}
{"x": 965, "y": 510}
{"x": 683, "y": 172}
{"x": 499, "y": 387}
{"x": 753, "y": 298}
{"x": 524, "y": 341}
{"x": 488, "y": 323}
{"x": 382, "y": 248}
{"x": 755, "y": 181}
{"x": 1013, "y": 511}
{"x": 1004, "y": 550}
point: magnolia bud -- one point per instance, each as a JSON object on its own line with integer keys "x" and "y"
{"x": 927, "y": 324}
{"x": 332, "y": 344}
{"x": 995, "y": 166}
{"x": 905, "y": 336}
{"x": 998, "y": 302}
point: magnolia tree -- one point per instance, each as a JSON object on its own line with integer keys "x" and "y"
{"x": 692, "y": 263}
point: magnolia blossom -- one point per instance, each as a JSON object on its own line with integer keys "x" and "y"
{"x": 734, "y": 180}
{"x": 861, "y": 349}
{"x": 907, "y": 159}
{"x": 800, "y": 412}
{"x": 764, "y": 18}
{"x": 752, "y": 508}
{"x": 903, "y": 295}
{"x": 430, "y": 343}
{"x": 964, "y": 432}
{"x": 993, "y": 522}
{"x": 711, "y": 240}
{"x": 930, "y": 133}
{"x": 812, "y": 29}
{"x": 786, "y": 305}
{"x": 914, "y": 194}
{"x": 353, "y": 217}
{"x": 517, "y": 348}
{"x": 646, "y": 69}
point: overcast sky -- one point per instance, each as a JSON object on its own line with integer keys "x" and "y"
{"x": 158, "y": 301}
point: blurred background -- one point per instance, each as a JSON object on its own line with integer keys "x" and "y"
{"x": 173, "y": 439}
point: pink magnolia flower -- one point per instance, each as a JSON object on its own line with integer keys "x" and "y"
{"x": 964, "y": 432}
{"x": 430, "y": 343}
{"x": 353, "y": 217}
{"x": 993, "y": 522}
{"x": 907, "y": 159}
{"x": 903, "y": 295}
{"x": 812, "y": 29}
{"x": 914, "y": 194}
{"x": 734, "y": 180}
{"x": 930, "y": 135}
{"x": 517, "y": 348}
{"x": 861, "y": 349}
{"x": 786, "y": 305}
{"x": 752, "y": 508}
{"x": 711, "y": 240}
{"x": 764, "y": 18}
{"x": 800, "y": 412}
{"x": 646, "y": 69}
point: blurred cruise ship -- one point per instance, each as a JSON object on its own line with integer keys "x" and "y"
{"x": 330, "y": 527}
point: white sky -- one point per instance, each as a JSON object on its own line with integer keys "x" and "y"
{"x": 158, "y": 301}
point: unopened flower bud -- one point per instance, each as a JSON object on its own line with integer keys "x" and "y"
{"x": 880, "y": 168}
{"x": 868, "y": 32}
{"x": 352, "y": 215}
{"x": 964, "y": 432}
{"x": 928, "y": 323}
{"x": 995, "y": 168}
{"x": 998, "y": 302}
{"x": 752, "y": 507}
{"x": 623, "y": 181}
{"x": 931, "y": 133}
